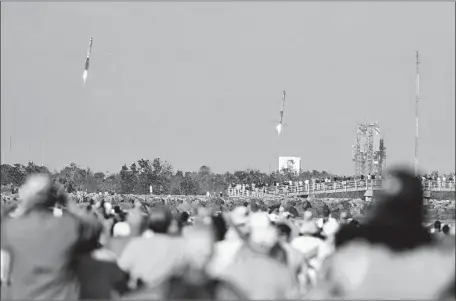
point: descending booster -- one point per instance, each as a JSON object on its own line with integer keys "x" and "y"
{"x": 87, "y": 62}
{"x": 279, "y": 126}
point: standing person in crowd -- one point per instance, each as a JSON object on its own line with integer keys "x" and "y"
{"x": 98, "y": 272}
{"x": 447, "y": 239}
{"x": 43, "y": 247}
{"x": 254, "y": 272}
{"x": 194, "y": 282}
{"x": 327, "y": 224}
{"x": 227, "y": 249}
{"x": 150, "y": 259}
{"x": 437, "y": 230}
{"x": 295, "y": 260}
{"x": 313, "y": 246}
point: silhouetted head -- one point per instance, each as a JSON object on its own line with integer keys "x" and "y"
{"x": 400, "y": 202}
{"x": 220, "y": 227}
{"x": 326, "y": 212}
{"x": 160, "y": 220}
{"x": 446, "y": 229}
{"x": 343, "y": 218}
{"x": 183, "y": 218}
{"x": 37, "y": 192}
{"x": 284, "y": 232}
{"x": 437, "y": 225}
{"x": 396, "y": 218}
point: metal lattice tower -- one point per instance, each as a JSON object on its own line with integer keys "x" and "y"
{"x": 373, "y": 128}
{"x": 358, "y": 156}
{"x": 367, "y": 160}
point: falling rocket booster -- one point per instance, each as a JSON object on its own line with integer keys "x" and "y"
{"x": 279, "y": 126}
{"x": 87, "y": 62}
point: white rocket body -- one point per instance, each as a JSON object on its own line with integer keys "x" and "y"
{"x": 86, "y": 66}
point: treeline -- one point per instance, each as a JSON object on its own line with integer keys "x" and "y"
{"x": 164, "y": 179}
{"x": 140, "y": 175}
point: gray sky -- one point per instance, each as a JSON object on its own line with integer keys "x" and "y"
{"x": 201, "y": 83}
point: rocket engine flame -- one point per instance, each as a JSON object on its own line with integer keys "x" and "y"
{"x": 279, "y": 128}
{"x": 84, "y": 76}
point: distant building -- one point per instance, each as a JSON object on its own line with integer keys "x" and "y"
{"x": 291, "y": 163}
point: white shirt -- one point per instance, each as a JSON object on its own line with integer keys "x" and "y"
{"x": 224, "y": 254}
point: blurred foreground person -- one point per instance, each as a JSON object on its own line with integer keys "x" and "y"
{"x": 314, "y": 248}
{"x": 226, "y": 249}
{"x": 447, "y": 239}
{"x": 43, "y": 246}
{"x": 194, "y": 283}
{"x": 295, "y": 260}
{"x": 98, "y": 273}
{"x": 437, "y": 227}
{"x": 253, "y": 270}
{"x": 392, "y": 256}
{"x": 152, "y": 258}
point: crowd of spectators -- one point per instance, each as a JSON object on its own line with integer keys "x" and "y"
{"x": 54, "y": 249}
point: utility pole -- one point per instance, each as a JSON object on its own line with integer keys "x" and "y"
{"x": 417, "y": 102}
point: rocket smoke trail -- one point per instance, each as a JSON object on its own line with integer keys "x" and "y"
{"x": 279, "y": 126}
{"x": 87, "y": 62}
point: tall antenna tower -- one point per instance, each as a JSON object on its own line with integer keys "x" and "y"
{"x": 417, "y": 102}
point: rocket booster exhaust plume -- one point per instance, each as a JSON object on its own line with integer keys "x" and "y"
{"x": 87, "y": 61}
{"x": 279, "y": 128}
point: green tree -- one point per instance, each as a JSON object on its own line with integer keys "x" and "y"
{"x": 188, "y": 185}
{"x": 204, "y": 179}
{"x": 127, "y": 180}
{"x": 162, "y": 174}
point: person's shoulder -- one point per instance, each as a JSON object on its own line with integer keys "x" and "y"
{"x": 269, "y": 264}
{"x": 104, "y": 255}
{"x": 227, "y": 290}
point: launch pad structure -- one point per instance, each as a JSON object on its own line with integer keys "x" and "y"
{"x": 369, "y": 151}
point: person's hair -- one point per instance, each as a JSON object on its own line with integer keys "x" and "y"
{"x": 346, "y": 234}
{"x": 446, "y": 229}
{"x": 220, "y": 227}
{"x": 437, "y": 225}
{"x": 326, "y": 212}
{"x": 122, "y": 216}
{"x": 94, "y": 242}
{"x": 254, "y": 207}
{"x": 354, "y": 222}
{"x": 284, "y": 230}
{"x": 159, "y": 220}
{"x": 184, "y": 216}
